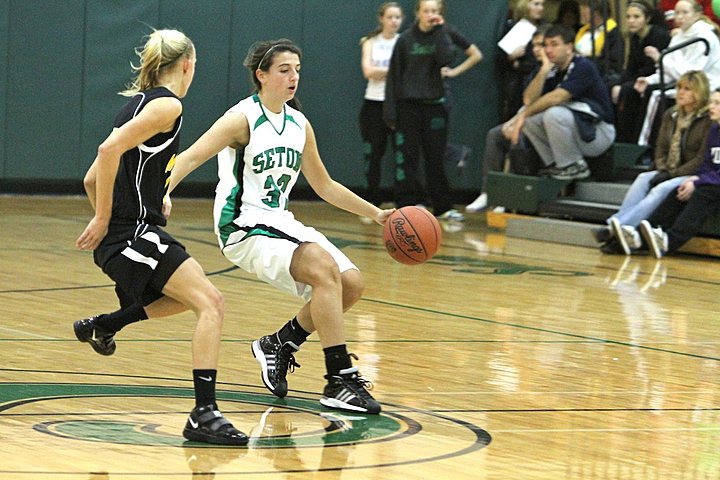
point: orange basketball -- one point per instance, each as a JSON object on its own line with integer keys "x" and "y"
{"x": 412, "y": 235}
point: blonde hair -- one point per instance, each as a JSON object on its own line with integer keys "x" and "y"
{"x": 522, "y": 10}
{"x": 698, "y": 83}
{"x": 161, "y": 51}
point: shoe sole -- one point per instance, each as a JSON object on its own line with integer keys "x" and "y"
{"x": 470, "y": 209}
{"x": 260, "y": 357}
{"x": 601, "y": 234}
{"x": 647, "y": 234}
{"x": 619, "y": 235}
{"x": 338, "y": 405}
{"x": 195, "y": 436}
{"x": 577, "y": 176}
{"x": 82, "y": 335}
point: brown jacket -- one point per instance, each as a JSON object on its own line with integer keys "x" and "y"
{"x": 692, "y": 143}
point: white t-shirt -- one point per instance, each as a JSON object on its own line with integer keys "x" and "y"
{"x": 381, "y": 51}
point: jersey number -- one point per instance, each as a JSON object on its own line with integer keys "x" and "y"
{"x": 275, "y": 190}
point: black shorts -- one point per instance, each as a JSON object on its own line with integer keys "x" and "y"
{"x": 140, "y": 260}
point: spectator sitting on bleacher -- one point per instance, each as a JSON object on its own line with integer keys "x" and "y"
{"x": 512, "y": 68}
{"x": 568, "y": 113}
{"x": 600, "y": 39}
{"x": 678, "y": 154}
{"x": 568, "y": 15}
{"x": 643, "y": 33}
{"x": 692, "y": 24}
{"x": 497, "y": 140}
{"x": 667, "y": 9}
{"x": 683, "y": 212}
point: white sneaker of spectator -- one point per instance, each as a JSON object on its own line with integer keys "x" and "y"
{"x": 480, "y": 203}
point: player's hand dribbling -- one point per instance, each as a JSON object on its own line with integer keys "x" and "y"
{"x": 92, "y": 235}
{"x": 383, "y": 216}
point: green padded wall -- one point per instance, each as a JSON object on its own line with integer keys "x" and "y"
{"x": 43, "y": 99}
{"x": 64, "y": 100}
{"x": 4, "y": 26}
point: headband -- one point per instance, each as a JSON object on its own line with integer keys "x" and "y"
{"x": 267, "y": 52}
{"x": 641, "y": 6}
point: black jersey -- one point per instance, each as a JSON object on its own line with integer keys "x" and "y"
{"x": 144, "y": 172}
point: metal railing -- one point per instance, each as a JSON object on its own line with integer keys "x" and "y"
{"x": 674, "y": 48}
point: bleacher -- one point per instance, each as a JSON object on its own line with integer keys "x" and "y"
{"x": 563, "y": 211}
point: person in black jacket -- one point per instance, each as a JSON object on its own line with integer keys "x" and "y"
{"x": 600, "y": 39}
{"x": 630, "y": 106}
{"x": 512, "y": 68}
{"x": 415, "y": 108}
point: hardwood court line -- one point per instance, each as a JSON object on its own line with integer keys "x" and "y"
{"x": 601, "y": 430}
{"x": 55, "y": 289}
{"x": 394, "y": 393}
{"x": 500, "y": 257}
{"x": 108, "y": 285}
{"x": 543, "y": 330}
{"x": 467, "y": 317}
{"x": 557, "y": 392}
{"x": 39, "y": 337}
{"x": 330, "y": 228}
{"x": 350, "y": 340}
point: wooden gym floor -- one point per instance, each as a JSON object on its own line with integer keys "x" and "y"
{"x": 499, "y": 359}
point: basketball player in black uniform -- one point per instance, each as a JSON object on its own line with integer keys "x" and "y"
{"x": 154, "y": 276}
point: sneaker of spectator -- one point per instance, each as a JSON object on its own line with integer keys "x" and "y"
{"x": 479, "y": 204}
{"x": 575, "y": 171}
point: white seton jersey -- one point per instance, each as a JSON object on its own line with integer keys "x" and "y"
{"x": 258, "y": 179}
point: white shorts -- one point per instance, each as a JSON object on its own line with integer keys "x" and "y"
{"x": 265, "y": 243}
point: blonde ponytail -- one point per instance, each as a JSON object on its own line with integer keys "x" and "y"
{"x": 162, "y": 50}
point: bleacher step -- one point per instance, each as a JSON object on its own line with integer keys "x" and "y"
{"x": 551, "y": 230}
{"x": 569, "y": 208}
{"x": 601, "y": 192}
{"x": 575, "y": 233}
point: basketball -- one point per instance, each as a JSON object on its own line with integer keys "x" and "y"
{"x": 412, "y": 235}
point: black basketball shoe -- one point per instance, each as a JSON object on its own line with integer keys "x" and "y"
{"x": 100, "y": 340}
{"x": 349, "y": 391}
{"x": 275, "y": 359}
{"x": 206, "y": 424}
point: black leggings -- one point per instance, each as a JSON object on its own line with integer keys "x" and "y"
{"x": 683, "y": 220}
{"x": 375, "y": 134}
{"x": 422, "y": 130}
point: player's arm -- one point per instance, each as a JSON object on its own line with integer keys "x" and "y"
{"x": 230, "y": 130}
{"x": 89, "y": 182}
{"x": 158, "y": 116}
{"x": 473, "y": 57}
{"x": 371, "y": 72}
{"x": 330, "y": 190}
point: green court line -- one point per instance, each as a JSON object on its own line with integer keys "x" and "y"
{"x": 476, "y": 319}
{"x": 544, "y": 330}
{"x": 230, "y": 340}
{"x": 585, "y": 338}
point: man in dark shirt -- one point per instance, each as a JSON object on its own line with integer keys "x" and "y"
{"x": 568, "y": 113}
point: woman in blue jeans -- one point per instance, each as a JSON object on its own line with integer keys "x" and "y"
{"x": 678, "y": 153}
{"x": 682, "y": 214}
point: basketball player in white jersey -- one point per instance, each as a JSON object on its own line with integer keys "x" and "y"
{"x": 274, "y": 142}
